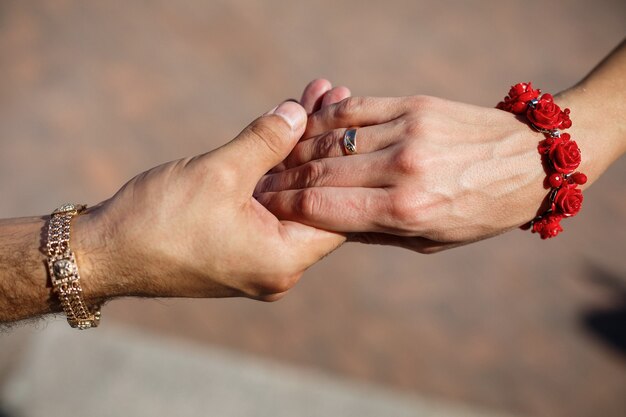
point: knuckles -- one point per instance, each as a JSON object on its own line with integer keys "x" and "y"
{"x": 308, "y": 203}
{"x": 408, "y": 160}
{"x": 405, "y": 213}
{"x": 421, "y": 114}
{"x": 326, "y": 144}
{"x": 423, "y": 102}
{"x": 414, "y": 127}
{"x": 348, "y": 107}
{"x": 312, "y": 173}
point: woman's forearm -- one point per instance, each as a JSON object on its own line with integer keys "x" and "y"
{"x": 598, "y": 108}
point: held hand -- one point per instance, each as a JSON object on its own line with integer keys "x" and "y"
{"x": 430, "y": 174}
{"x": 191, "y": 228}
{"x": 318, "y": 94}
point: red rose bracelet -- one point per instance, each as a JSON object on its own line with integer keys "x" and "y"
{"x": 559, "y": 154}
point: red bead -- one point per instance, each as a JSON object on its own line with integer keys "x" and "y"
{"x": 579, "y": 178}
{"x": 556, "y": 180}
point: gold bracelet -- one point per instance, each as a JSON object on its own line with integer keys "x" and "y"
{"x": 63, "y": 269}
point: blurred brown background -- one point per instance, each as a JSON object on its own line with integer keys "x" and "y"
{"x": 92, "y": 93}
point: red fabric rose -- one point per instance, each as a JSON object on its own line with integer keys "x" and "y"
{"x": 520, "y": 94}
{"x": 547, "y": 115}
{"x": 518, "y": 98}
{"x": 565, "y": 156}
{"x": 568, "y": 200}
{"x": 548, "y": 143}
{"x": 548, "y": 226}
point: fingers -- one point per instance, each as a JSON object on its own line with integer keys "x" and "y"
{"x": 414, "y": 243}
{"x": 320, "y": 93}
{"x": 367, "y": 170}
{"x": 314, "y": 93}
{"x": 317, "y": 94}
{"x": 330, "y": 144}
{"x": 264, "y": 143}
{"x": 335, "y": 96}
{"x": 355, "y": 111}
{"x": 334, "y": 209}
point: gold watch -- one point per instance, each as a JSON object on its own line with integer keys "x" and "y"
{"x": 63, "y": 269}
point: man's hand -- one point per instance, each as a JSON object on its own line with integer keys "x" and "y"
{"x": 191, "y": 228}
{"x": 188, "y": 228}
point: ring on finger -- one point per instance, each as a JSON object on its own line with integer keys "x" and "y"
{"x": 349, "y": 141}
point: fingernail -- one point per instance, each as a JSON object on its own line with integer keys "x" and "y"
{"x": 291, "y": 112}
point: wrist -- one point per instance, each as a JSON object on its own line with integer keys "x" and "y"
{"x": 117, "y": 258}
{"x": 598, "y": 129}
{"x": 94, "y": 258}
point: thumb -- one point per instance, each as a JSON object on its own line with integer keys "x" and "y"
{"x": 265, "y": 142}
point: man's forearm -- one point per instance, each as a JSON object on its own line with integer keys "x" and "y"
{"x": 23, "y": 278}
{"x": 24, "y": 283}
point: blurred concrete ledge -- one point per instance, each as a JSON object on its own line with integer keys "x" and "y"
{"x": 117, "y": 371}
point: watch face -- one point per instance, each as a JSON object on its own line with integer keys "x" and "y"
{"x": 63, "y": 268}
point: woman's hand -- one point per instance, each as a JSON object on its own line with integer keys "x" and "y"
{"x": 429, "y": 174}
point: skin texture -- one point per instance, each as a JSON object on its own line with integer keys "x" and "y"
{"x": 432, "y": 174}
{"x": 187, "y": 228}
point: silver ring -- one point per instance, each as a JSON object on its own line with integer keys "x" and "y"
{"x": 349, "y": 141}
